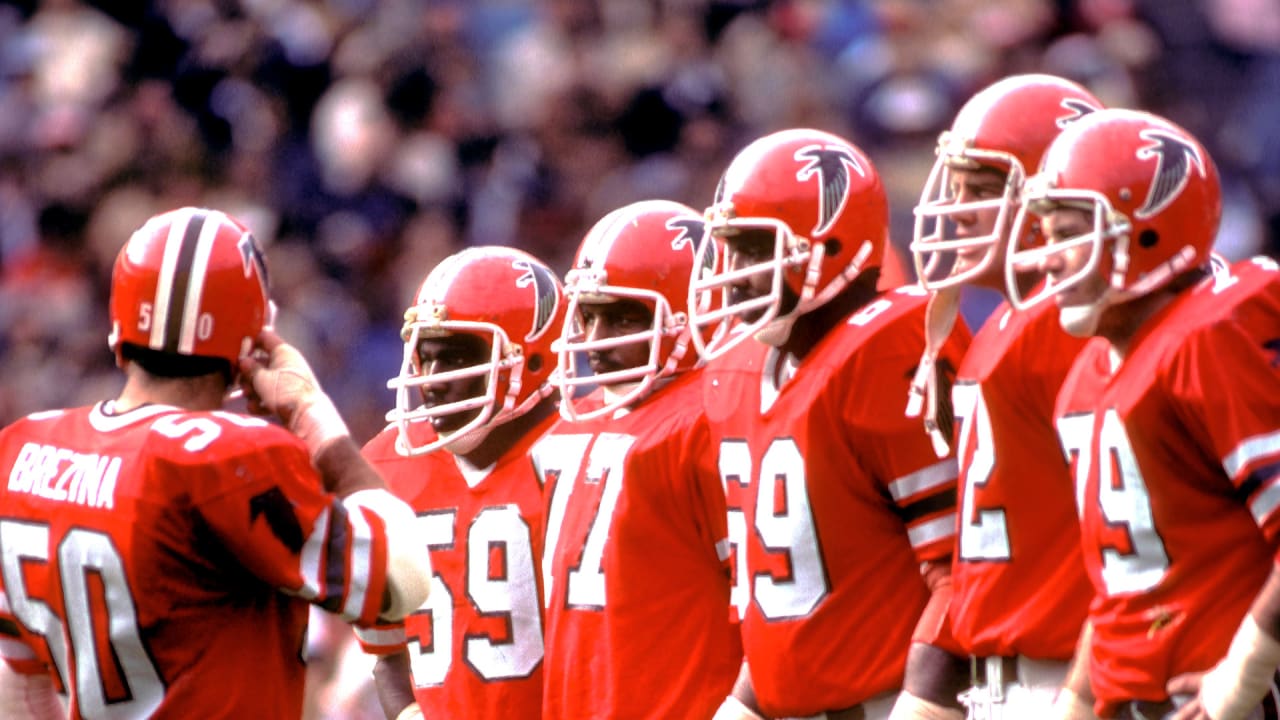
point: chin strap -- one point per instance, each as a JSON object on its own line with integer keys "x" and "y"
{"x": 776, "y": 332}
{"x": 939, "y": 319}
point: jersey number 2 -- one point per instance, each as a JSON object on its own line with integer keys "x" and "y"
{"x": 984, "y": 532}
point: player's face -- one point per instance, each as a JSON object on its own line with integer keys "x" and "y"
{"x": 622, "y": 317}
{"x": 1062, "y": 224}
{"x": 445, "y": 354}
{"x": 973, "y": 186}
{"x": 747, "y": 247}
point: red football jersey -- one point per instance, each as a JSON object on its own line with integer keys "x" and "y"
{"x": 1176, "y": 456}
{"x": 475, "y": 648}
{"x": 1018, "y": 580}
{"x": 636, "y": 571}
{"x": 838, "y": 498}
{"x": 159, "y": 560}
{"x": 1261, "y": 278}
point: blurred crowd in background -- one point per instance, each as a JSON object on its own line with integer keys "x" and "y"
{"x": 363, "y": 140}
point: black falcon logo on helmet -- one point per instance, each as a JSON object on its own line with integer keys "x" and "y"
{"x": 691, "y": 230}
{"x": 252, "y": 256}
{"x": 1078, "y": 109}
{"x": 831, "y": 163}
{"x": 1174, "y": 159}
{"x": 544, "y": 291}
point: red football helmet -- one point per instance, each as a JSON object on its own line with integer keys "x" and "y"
{"x": 1155, "y": 201}
{"x": 643, "y": 251}
{"x": 822, "y": 199}
{"x": 514, "y": 303}
{"x": 1007, "y": 126}
{"x": 191, "y": 281}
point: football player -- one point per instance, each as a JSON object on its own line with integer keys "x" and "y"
{"x": 636, "y": 569}
{"x": 148, "y": 542}
{"x": 842, "y": 515}
{"x": 471, "y": 397}
{"x": 1169, "y": 416}
{"x": 1020, "y": 592}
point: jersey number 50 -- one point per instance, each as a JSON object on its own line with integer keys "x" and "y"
{"x": 138, "y": 689}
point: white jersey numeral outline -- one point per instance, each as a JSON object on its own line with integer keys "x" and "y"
{"x": 984, "y": 532}
{"x": 786, "y": 529}
{"x": 514, "y": 597}
{"x": 564, "y": 457}
{"x": 79, "y": 553}
{"x": 1122, "y": 498}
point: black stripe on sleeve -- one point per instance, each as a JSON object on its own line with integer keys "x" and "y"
{"x": 943, "y": 500}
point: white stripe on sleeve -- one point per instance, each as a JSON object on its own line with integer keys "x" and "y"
{"x": 310, "y": 565}
{"x": 361, "y": 559}
{"x": 932, "y": 530}
{"x": 1250, "y": 450}
{"x": 939, "y": 473}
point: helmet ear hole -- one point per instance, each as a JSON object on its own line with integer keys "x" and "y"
{"x": 534, "y": 362}
{"x": 1148, "y": 238}
{"x": 833, "y": 247}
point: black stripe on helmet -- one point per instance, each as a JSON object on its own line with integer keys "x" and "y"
{"x": 181, "y": 281}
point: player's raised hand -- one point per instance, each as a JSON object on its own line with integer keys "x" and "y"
{"x": 280, "y": 381}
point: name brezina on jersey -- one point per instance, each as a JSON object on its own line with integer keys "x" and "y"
{"x": 56, "y": 473}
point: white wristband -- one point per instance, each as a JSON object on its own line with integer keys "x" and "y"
{"x": 1235, "y": 686}
{"x": 733, "y": 709}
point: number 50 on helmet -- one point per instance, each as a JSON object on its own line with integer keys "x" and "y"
{"x": 191, "y": 282}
